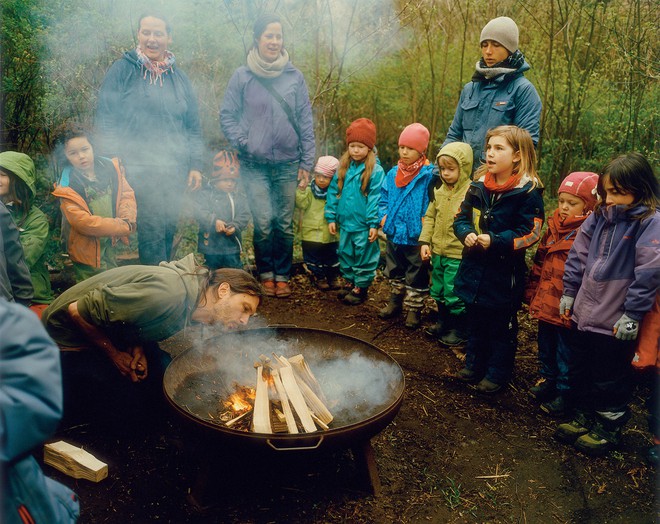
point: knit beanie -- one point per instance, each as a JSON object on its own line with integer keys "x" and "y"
{"x": 226, "y": 165}
{"x": 415, "y": 136}
{"x": 582, "y": 185}
{"x": 502, "y": 30}
{"x": 362, "y": 130}
{"x": 326, "y": 165}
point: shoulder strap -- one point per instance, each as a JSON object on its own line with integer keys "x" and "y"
{"x": 286, "y": 107}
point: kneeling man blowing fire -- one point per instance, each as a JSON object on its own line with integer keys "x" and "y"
{"x": 108, "y": 326}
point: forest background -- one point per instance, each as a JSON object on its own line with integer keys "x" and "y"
{"x": 595, "y": 65}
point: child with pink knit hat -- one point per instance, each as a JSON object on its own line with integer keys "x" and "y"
{"x": 404, "y": 198}
{"x": 577, "y": 198}
{"x": 319, "y": 246}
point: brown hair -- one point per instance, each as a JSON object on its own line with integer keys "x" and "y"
{"x": 345, "y": 162}
{"x": 66, "y": 132}
{"x": 239, "y": 282}
{"x": 521, "y": 141}
{"x": 19, "y": 193}
{"x": 159, "y": 16}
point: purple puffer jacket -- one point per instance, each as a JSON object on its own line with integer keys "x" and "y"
{"x": 613, "y": 267}
{"x": 256, "y": 125}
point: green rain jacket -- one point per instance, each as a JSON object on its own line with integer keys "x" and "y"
{"x": 33, "y": 226}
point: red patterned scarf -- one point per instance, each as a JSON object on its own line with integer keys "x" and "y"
{"x": 406, "y": 172}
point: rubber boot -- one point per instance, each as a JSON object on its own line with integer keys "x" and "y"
{"x": 455, "y": 334}
{"x": 436, "y": 329}
{"x": 413, "y": 318}
{"x": 393, "y": 307}
{"x": 356, "y": 296}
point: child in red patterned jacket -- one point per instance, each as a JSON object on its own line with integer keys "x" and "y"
{"x": 576, "y": 199}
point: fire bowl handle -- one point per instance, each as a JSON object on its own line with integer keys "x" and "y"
{"x": 297, "y": 448}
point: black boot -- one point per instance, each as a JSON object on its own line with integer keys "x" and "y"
{"x": 393, "y": 307}
{"x": 455, "y": 335}
{"x": 436, "y": 329}
{"x": 345, "y": 290}
{"x": 413, "y": 318}
{"x": 356, "y": 296}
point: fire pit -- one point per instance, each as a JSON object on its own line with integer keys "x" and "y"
{"x": 363, "y": 386}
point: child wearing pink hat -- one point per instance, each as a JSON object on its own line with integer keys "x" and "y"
{"x": 319, "y": 246}
{"x": 577, "y": 199}
{"x": 404, "y": 198}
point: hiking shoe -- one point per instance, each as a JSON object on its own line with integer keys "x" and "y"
{"x": 322, "y": 284}
{"x": 393, "y": 307}
{"x": 569, "y": 432}
{"x": 554, "y": 408}
{"x": 282, "y": 290}
{"x": 544, "y": 390}
{"x": 413, "y": 318}
{"x": 355, "y": 297}
{"x": 598, "y": 441}
{"x": 269, "y": 287}
{"x": 467, "y": 375}
{"x": 487, "y": 387}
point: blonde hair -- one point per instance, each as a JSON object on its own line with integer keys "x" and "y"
{"x": 521, "y": 142}
{"x": 345, "y": 162}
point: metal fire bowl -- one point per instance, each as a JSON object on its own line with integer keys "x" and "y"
{"x": 363, "y": 385}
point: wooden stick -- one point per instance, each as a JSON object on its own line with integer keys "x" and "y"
{"x": 319, "y": 421}
{"x": 284, "y": 399}
{"x": 296, "y": 398}
{"x": 233, "y": 421}
{"x": 261, "y": 417}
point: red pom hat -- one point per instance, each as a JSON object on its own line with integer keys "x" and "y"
{"x": 362, "y": 130}
{"x": 582, "y": 184}
{"x": 226, "y": 165}
{"x": 415, "y": 136}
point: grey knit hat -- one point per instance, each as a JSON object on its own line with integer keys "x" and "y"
{"x": 502, "y": 30}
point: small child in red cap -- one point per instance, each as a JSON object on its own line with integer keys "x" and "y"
{"x": 404, "y": 199}
{"x": 577, "y": 199}
{"x": 319, "y": 246}
{"x": 222, "y": 213}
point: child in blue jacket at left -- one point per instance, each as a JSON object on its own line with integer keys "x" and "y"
{"x": 404, "y": 198}
{"x": 352, "y": 208}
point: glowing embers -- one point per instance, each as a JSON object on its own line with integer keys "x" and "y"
{"x": 287, "y": 399}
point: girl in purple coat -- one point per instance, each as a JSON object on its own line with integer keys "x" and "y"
{"x": 611, "y": 278}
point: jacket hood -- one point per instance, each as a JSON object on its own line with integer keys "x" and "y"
{"x": 191, "y": 274}
{"x": 22, "y": 166}
{"x": 462, "y": 154}
{"x": 131, "y": 56}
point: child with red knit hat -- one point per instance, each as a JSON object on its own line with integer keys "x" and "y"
{"x": 577, "y": 198}
{"x": 352, "y": 208}
{"x": 222, "y": 213}
{"x": 404, "y": 198}
{"x": 319, "y": 247}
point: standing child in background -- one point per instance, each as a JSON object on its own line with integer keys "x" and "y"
{"x": 352, "y": 208}
{"x": 611, "y": 279}
{"x": 18, "y": 188}
{"x": 404, "y": 198}
{"x": 223, "y": 213}
{"x": 577, "y": 198}
{"x": 319, "y": 247}
{"x": 97, "y": 202}
{"x": 439, "y": 243}
{"x": 501, "y": 216}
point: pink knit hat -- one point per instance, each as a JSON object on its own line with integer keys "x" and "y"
{"x": 415, "y": 136}
{"x": 326, "y": 165}
{"x": 362, "y": 130}
{"x": 582, "y": 184}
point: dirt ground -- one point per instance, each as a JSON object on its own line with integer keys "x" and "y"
{"x": 450, "y": 455}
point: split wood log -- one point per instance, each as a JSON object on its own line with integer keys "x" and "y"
{"x": 74, "y": 461}
{"x": 313, "y": 401}
{"x": 261, "y": 416}
{"x": 296, "y": 398}
{"x": 284, "y": 399}
{"x": 301, "y": 367}
{"x": 319, "y": 422}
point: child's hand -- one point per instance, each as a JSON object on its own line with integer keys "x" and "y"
{"x": 425, "y": 252}
{"x": 219, "y": 226}
{"x": 373, "y": 234}
{"x": 470, "y": 240}
{"x": 565, "y": 306}
{"x": 332, "y": 228}
{"x": 230, "y": 230}
{"x": 484, "y": 240}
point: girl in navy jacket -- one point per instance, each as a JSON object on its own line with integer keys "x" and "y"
{"x": 501, "y": 217}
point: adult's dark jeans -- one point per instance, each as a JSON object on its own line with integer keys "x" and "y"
{"x": 492, "y": 342}
{"x": 554, "y": 354}
{"x": 159, "y": 194}
{"x": 271, "y": 191}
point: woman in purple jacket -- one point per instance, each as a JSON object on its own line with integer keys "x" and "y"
{"x": 267, "y": 116}
{"x": 611, "y": 278}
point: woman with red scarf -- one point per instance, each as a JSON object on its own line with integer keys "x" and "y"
{"x": 404, "y": 198}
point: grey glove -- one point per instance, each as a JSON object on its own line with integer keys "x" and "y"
{"x": 565, "y": 303}
{"x": 626, "y": 328}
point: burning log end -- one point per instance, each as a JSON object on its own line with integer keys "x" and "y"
{"x": 233, "y": 421}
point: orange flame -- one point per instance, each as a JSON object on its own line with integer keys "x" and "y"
{"x": 240, "y": 400}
